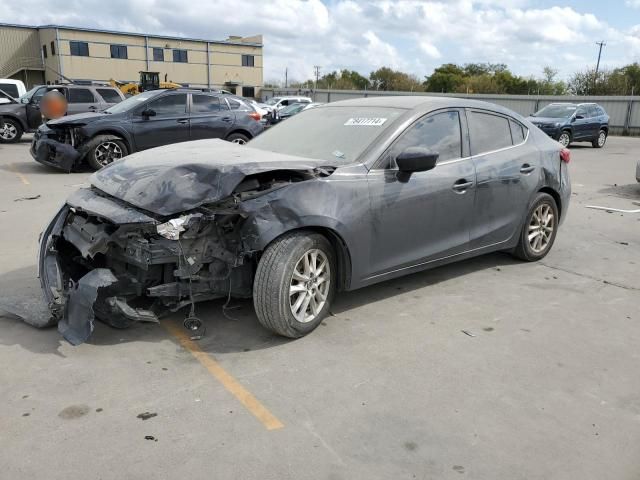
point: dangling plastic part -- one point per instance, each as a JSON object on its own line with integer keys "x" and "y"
{"x": 195, "y": 327}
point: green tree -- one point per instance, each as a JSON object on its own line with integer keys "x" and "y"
{"x": 386, "y": 78}
{"x": 446, "y": 78}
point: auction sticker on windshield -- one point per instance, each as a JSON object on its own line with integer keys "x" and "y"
{"x": 365, "y": 122}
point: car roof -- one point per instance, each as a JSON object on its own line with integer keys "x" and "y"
{"x": 423, "y": 103}
{"x": 573, "y": 103}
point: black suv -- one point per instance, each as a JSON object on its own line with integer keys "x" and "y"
{"x": 573, "y": 122}
{"x": 23, "y": 114}
{"x": 147, "y": 120}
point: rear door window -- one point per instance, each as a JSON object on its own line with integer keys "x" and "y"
{"x": 488, "y": 132}
{"x": 440, "y": 133}
{"x": 593, "y": 111}
{"x": 205, "y": 104}
{"x": 109, "y": 95}
{"x": 81, "y": 95}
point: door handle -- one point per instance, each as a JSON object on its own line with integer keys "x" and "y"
{"x": 183, "y": 120}
{"x": 526, "y": 169}
{"x": 462, "y": 185}
{"x": 92, "y": 108}
{"x": 226, "y": 119}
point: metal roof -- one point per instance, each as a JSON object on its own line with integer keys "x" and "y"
{"x": 113, "y": 32}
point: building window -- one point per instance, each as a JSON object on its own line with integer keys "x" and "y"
{"x": 180, "y": 56}
{"x": 53, "y": 48}
{"x": 248, "y": 92}
{"x": 247, "y": 61}
{"x": 119, "y": 51}
{"x": 44, "y": 51}
{"x": 79, "y": 49}
{"x": 158, "y": 55}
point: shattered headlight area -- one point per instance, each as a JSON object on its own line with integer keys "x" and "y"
{"x": 121, "y": 273}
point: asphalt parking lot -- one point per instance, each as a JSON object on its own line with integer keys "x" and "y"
{"x": 543, "y": 384}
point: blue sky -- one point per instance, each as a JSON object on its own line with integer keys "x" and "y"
{"x": 412, "y": 35}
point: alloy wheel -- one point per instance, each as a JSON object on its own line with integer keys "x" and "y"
{"x": 239, "y": 141}
{"x": 564, "y": 139}
{"x": 309, "y": 285}
{"x": 601, "y": 139}
{"x": 107, "y": 152}
{"x": 541, "y": 228}
{"x": 8, "y": 131}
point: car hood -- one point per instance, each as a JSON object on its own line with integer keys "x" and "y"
{"x": 78, "y": 119}
{"x": 11, "y": 107}
{"x": 179, "y": 177}
{"x": 545, "y": 120}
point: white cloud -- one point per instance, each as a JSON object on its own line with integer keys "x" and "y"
{"x": 412, "y": 35}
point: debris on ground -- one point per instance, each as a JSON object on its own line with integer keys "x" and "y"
{"x": 611, "y": 209}
{"x": 147, "y": 415}
{"x": 21, "y": 199}
{"x": 150, "y": 437}
{"x": 467, "y": 333}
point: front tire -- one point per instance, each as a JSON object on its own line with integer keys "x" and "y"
{"x": 539, "y": 229}
{"x": 10, "y": 131}
{"x": 600, "y": 140}
{"x": 295, "y": 283}
{"x": 106, "y": 151}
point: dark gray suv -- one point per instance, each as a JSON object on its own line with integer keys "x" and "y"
{"x": 23, "y": 114}
{"x": 147, "y": 120}
{"x": 571, "y": 122}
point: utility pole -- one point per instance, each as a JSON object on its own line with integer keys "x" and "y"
{"x": 316, "y": 68}
{"x": 595, "y": 78}
{"x": 286, "y": 71}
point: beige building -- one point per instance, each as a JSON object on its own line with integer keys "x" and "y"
{"x": 48, "y": 53}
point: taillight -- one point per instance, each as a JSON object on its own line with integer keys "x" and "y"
{"x": 565, "y": 155}
{"x": 255, "y": 115}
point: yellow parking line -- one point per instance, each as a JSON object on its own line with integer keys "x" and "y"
{"x": 245, "y": 397}
{"x": 22, "y": 178}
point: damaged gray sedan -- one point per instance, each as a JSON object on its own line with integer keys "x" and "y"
{"x": 336, "y": 198}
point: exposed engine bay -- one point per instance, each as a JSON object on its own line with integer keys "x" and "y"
{"x": 103, "y": 258}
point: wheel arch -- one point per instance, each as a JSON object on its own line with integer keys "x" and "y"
{"x": 556, "y": 197}
{"x": 340, "y": 247}
{"x": 116, "y": 133}
{"x": 240, "y": 130}
{"x": 16, "y": 118}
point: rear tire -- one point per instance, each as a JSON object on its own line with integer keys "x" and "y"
{"x": 539, "y": 229}
{"x": 600, "y": 140}
{"x": 106, "y": 151}
{"x": 10, "y": 131}
{"x": 284, "y": 281}
{"x": 239, "y": 138}
{"x": 565, "y": 138}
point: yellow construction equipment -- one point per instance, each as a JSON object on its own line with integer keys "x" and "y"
{"x": 148, "y": 81}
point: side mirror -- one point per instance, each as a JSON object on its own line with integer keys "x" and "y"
{"x": 416, "y": 159}
{"x": 147, "y": 112}
{"x": 25, "y": 100}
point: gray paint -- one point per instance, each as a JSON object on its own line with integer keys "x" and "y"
{"x": 383, "y": 224}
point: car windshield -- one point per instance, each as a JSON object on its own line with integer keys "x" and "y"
{"x": 273, "y": 100}
{"x": 336, "y": 134}
{"x": 131, "y": 102}
{"x": 556, "y": 111}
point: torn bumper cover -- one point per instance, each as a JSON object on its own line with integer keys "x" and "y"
{"x": 60, "y": 147}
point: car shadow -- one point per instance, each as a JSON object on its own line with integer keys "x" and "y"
{"x": 230, "y": 328}
{"x": 631, "y": 190}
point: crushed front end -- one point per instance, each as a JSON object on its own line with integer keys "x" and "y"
{"x": 102, "y": 258}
